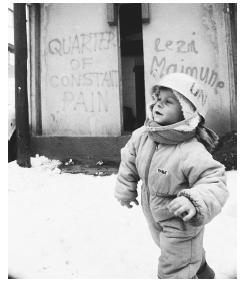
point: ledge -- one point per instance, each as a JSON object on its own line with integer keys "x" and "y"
{"x": 79, "y": 148}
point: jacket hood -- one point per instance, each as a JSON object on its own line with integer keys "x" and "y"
{"x": 181, "y": 131}
{"x": 188, "y": 124}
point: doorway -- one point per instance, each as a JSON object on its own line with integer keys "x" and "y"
{"x": 132, "y": 65}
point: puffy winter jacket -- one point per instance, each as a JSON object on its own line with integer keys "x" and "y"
{"x": 171, "y": 170}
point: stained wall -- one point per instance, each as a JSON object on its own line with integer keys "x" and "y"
{"x": 191, "y": 38}
{"x": 79, "y": 71}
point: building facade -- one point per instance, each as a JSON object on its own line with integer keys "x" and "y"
{"x": 92, "y": 66}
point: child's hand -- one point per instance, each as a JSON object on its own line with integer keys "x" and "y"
{"x": 128, "y": 203}
{"x": 182, "y": 207}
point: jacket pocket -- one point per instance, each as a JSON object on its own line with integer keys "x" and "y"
{"x": 165, "y": 195}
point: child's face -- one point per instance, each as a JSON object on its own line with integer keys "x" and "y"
{"x": 167, "y": 109}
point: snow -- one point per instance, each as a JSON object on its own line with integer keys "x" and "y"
{"x": 71, "y": 226}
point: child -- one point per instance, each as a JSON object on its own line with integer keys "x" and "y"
{"x": 183, "y": 187}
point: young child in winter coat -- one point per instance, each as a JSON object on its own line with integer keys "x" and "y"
{"x": 183, "y": 187}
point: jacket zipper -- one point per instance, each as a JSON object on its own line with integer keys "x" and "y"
{"x": 147, "y": 170}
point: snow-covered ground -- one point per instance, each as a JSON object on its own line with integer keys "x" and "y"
{"x": 70, "y": 226}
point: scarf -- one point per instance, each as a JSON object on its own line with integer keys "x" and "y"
{"x": 170, "y": 135}
{"x": 167, "y": 134}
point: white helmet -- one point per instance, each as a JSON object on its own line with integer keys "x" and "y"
{"x": 188, "y": 87}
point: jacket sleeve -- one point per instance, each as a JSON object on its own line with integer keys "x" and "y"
{"x": 207, "y": 183}
{"x": 127, "y": 179}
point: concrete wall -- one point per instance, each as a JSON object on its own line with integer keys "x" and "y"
{"x": 79, "y": 71}
{"x": 191, "y": 38}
